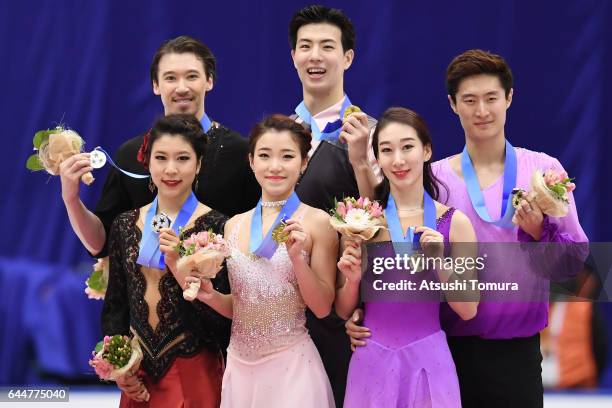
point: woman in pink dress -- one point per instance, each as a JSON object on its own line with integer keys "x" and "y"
{"x": 283, "y": 259}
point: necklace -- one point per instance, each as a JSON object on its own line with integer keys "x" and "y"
{"x": 272, "y": 204}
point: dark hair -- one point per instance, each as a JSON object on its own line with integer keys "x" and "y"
{"x": 185, "y": 126}
{"x": 320, "y": 14}
{"x": 476, "y": 62}
{"x": 280, "y": 123}
{"x": 183, "y": 45}
{"x": 412, "y": 119}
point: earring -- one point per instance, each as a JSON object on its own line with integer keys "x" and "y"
{"x": 195, "y": 188}
{"x": 152, "y": 186}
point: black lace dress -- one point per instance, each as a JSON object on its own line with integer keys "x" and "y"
{"x": 184, "y": 328}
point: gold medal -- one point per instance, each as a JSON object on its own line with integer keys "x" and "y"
{"x": 349, "y": 111}
{"x": 278, "y": 235}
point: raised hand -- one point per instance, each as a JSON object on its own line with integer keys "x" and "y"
{"x": 297, "y": 240}
{"x": 432, "y": 242}
{"x": 350, "y": 262}
{"x": 168, "y": 240}
{"x": 355, "y": 133}
{"x": 70, "y": 171}
{"x": 530, "y": 216}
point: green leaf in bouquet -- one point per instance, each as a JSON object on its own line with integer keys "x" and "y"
{"x": 179, "y": 248}
{"x": 558, "y": 189}
{"x": 97, "y": 281}
{"x": 119, "y": 351}
{"x": 42, "y": 136}
{"x": 99, "y": 346}
{"x": 33, "y": 163}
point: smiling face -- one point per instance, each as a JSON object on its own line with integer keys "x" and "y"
{"x": 277, "y": 164}
{"x": 401, "y": 155}
{"x": 182, "y": 84}
{"x": 173, "y": 166}
{"x": 320, "y": 60}
{"x": 481, "y": 106}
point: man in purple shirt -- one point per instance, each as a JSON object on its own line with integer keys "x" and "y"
{"x": 497, "y": 354}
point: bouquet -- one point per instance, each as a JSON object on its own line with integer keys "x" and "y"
{"x": 550, "y": 191}
{"x": 357, "y": 219}
{"x": 116, "y": 356}
{"x": 204, "y": 252}
{"x": 54, "y": 146}
{"x": 98, "y": 280}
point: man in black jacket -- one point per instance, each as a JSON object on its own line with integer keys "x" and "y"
{"x": 182, "y": 72}
{"x": 341, "y": 162}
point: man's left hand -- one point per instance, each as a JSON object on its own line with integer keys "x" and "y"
{"x": 530, "y": 216}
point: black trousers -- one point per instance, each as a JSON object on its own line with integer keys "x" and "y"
{"x": 498, "y": 373}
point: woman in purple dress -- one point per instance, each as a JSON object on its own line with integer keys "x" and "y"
{"x": 406, "y": 362}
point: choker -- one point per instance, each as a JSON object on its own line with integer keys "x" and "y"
{"x": 273, "y": 204}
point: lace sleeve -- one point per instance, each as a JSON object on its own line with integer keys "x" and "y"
{"x": 116, "y": 313}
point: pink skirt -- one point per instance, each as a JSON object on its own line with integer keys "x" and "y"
{"x": 293, "y": 377}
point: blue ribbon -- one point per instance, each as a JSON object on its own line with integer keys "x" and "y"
{"x": 149, "y": 254}
{"x": 206, "y": 125}
{"x": 398, "y": 238}
{"x": 266, "y": 246}
{"x": 127, "y": 173}
{"x": 476, "y": 196}
{"x": 332, "y": 129}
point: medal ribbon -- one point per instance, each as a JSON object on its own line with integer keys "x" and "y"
{"x": 266, "y": 246}
{"x": 149, "y": 254}
{"x": 206, "y": 125}
{"x": 332, "y": 129}
{"x": 398, "y": 238}
{"x": 476, "y": 196}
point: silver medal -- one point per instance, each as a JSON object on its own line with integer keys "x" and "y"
{"x": 97, "y": 159}
{"x": 160, "y": 221}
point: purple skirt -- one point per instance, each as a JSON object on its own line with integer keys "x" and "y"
{"x": 420, "y": 374}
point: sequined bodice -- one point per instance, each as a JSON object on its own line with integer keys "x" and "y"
{"x": 269, "y": 312}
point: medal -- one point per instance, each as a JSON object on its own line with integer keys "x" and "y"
{"x": 97, "y": 159}
{"x": 517, "y": 196}
{"x": 160, "y": 221}
{"x": 277, "y": 233}
{"x": 149, "y": 254}
{"x": 349, "y": 111}
{"x": 265, "y": 246}
{"x": 476, "y": 196}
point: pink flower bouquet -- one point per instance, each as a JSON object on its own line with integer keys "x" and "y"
{"x": 98, "y": 280}
{"x": 116, "y": 356}
{"x": 203, "y": 252}
{"x": 357, "y": 219}
{"x": 550, "y": 190}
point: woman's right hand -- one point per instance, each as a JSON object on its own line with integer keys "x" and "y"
{"x": 133, "y": 387}
{"x": 70, "y": 172}
{"x": 350, "y": 262}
